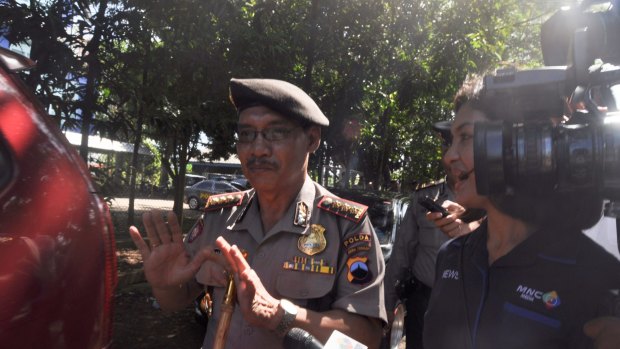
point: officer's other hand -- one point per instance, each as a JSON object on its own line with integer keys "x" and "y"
{"x": 166, "y": 262}
{"x": 258, "y": 307}
{"x": 214, "y": 271}
{"x": 605, "y": 331}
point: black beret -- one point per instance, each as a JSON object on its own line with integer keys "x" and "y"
{"x": 281, "y": 96}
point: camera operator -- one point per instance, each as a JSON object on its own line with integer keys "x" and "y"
{"x": 528, "y": 277}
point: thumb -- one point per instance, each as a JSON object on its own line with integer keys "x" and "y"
{"x": 135, "y": 235}
{"x": 593, "y": 328}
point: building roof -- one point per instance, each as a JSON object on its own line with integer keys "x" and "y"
{"x": 105, "y": 145}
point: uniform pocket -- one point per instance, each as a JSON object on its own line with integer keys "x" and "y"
{"x": 292, "y": 284}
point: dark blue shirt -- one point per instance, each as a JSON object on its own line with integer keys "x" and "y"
{"x": 539, "y": 295}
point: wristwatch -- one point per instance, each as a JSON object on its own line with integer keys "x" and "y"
{"x": 290, "y": 313}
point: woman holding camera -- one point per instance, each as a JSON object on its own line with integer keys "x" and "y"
{"x": 528, "y": 277}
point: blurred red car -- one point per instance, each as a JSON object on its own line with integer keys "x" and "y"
{"x": 57, "y": 253}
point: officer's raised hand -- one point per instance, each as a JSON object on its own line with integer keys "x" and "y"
{"x": 166, "y": 262}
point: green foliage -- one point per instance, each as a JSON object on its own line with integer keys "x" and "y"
{"x": 391, "y": 66}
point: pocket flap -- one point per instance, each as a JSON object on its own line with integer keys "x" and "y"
{"x": 292, "y": 284}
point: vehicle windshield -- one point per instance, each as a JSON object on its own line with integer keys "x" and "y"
{"x": 382, "y": 220}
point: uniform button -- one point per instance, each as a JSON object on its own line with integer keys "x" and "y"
{"x": 303, "y": 293}
{"x": 248, "y": 331}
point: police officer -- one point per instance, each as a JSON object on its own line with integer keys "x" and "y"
{"x": 411, "y": 271}
{"x": 312, "y": 260}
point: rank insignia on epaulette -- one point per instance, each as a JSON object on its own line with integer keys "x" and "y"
{"x": 344, "y": 208}
{"x": 301, "y": 215}
{"x": 308, "y": 265}
{"x": 314, "y": 242}
{"x": 196, "y": 230}
{"x": 216, "y": 202}
{"x": 358, "y": 270}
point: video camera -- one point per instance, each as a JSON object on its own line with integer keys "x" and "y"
{"x": 528, "y": 151}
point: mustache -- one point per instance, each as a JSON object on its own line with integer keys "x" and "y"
{"x": 260, "y": 162}
{"x": 464, "y": 176}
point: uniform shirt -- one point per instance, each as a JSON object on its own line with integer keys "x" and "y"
{"x": 333, "y": 278}
{"x": 417, "y": 243}
{"x": 539, "y": 295}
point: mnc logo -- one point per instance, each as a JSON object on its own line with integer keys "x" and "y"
{"x": 550, "y": 299}
{"x": 529, "y": 294}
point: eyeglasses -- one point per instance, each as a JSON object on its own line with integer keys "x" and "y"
{"x": 273, "y": 134}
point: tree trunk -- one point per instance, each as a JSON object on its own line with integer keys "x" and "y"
{"x": 310, "y": 45}
{"x": 383, "y": 127}
{"x": 92, "y": 76}
{"x": 134, "y": 167}
{"x": 138, "y": 132}
{"x": 179, "y": 181}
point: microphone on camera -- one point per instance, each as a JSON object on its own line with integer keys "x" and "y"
{"x": 297, "y": 338}
{"x": 464, "y": 176}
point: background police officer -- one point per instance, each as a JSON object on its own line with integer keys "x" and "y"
{"x": 412, "y": 264}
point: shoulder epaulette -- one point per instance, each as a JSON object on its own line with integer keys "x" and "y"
{"x": 219, "y": 201}
{"x": 429, "y": 184}
{"x": 344, "y": 208}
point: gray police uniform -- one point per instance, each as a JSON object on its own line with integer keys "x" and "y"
{"x": 413, "y": 260}
{"x": 323, "y": 254}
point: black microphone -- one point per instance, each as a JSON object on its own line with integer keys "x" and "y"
{"x": 464, "y": 176}
{"x": 297, "y": 338}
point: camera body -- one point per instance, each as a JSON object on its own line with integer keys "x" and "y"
{"x": 536, "y": 149}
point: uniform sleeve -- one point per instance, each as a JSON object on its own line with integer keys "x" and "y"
{"x": 360, "y": 272}
{"x": 399, "y": 266}
{"x": 197, "y": 238}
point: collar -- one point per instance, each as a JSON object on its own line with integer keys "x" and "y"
{"x": 293, "y": 220}
{"x": 546, "y": 244}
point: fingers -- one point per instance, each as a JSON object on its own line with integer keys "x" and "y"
{"x": 453, "y": 229}
{"x": 233, "y": 256}
{"x": 449, "y": 225}
{"x": 163, "y": 228}
{"x": 158, "y": 231}
{"x": 605, "y": 331}
{"x": 453, "y": 207}
{"x": 151, "y": 230}
{"x": 242, "y": 264}
{"x": 134, "y": 233}
{"x": 592, "y": 328}
{"x": 225, "y": 247}
{"x": 209, "y": 254}
{"x": 175, "y": 229}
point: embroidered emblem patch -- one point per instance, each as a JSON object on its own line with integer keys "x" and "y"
{"x": 361, "y": 242}
{"x": 196, "y": 230}
{"x": 358, "y": 270}
{"x": 314, "y": 242}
